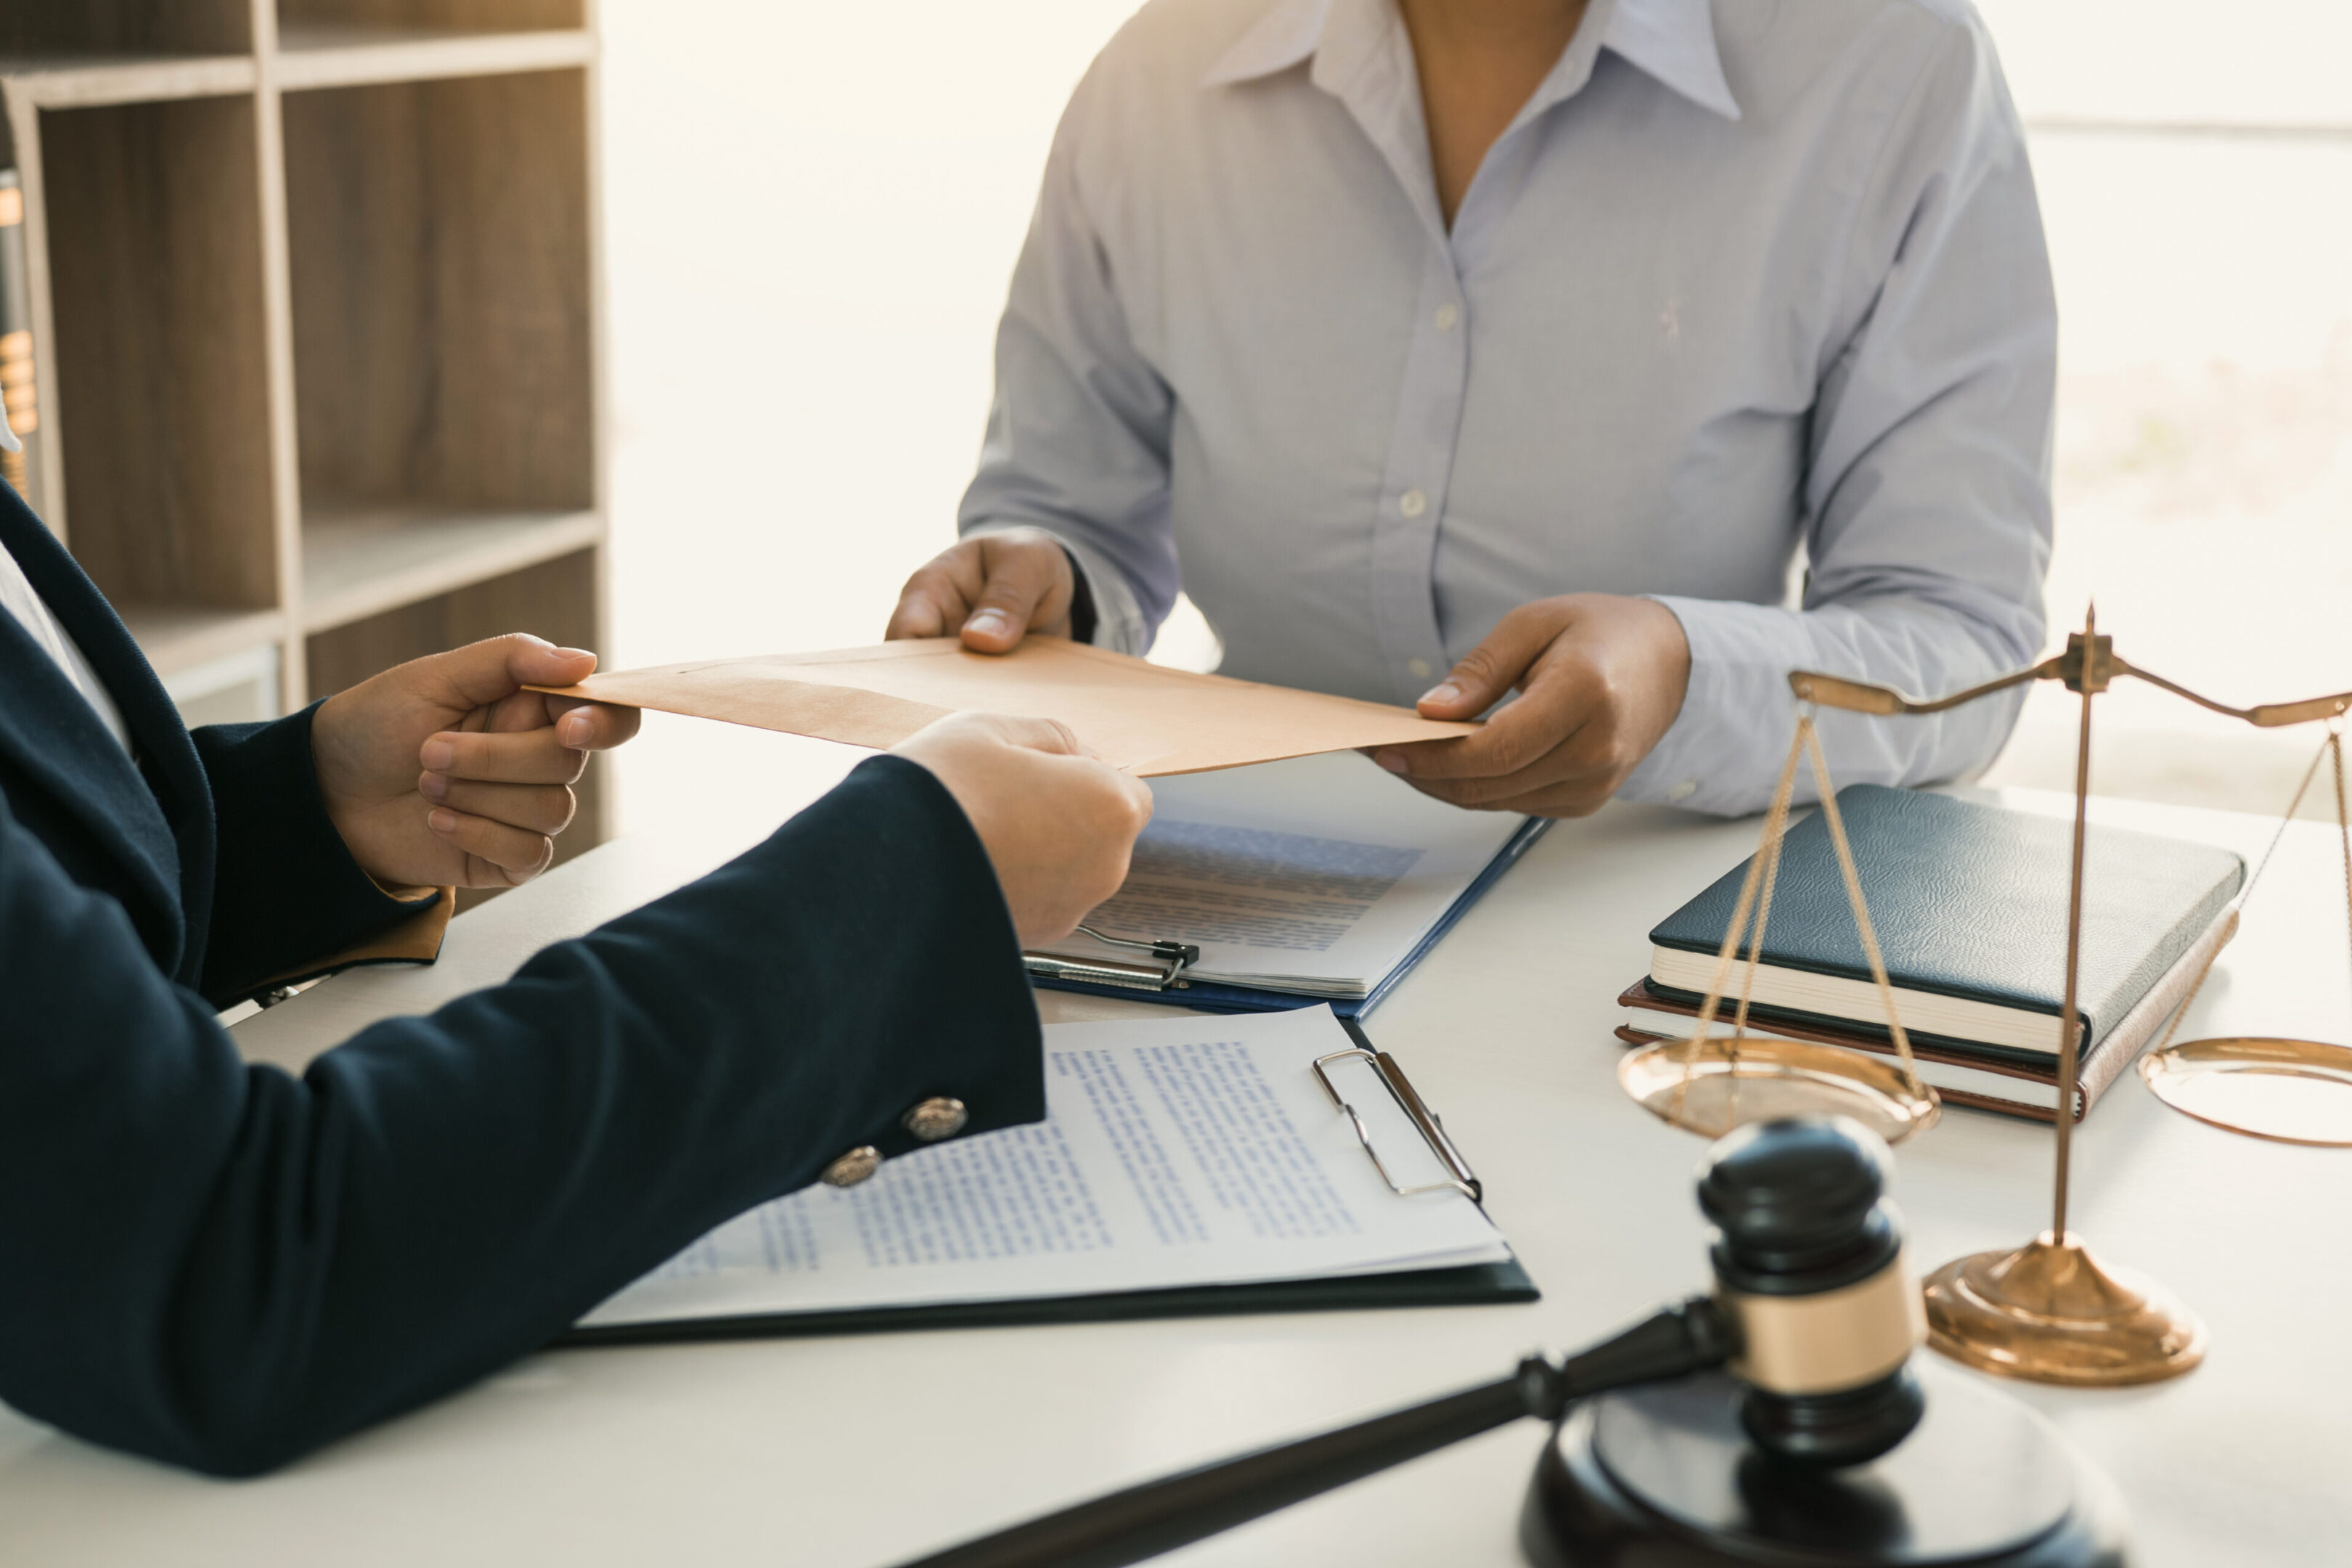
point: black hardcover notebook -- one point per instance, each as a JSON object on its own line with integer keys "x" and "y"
{"x": 1969, "y": 904}
{"x": 1190, "y": 1166}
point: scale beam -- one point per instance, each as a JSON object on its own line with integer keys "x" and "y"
{"x": 1885, "y": 701}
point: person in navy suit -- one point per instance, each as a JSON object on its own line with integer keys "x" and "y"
{"x": 222, "y": 1265}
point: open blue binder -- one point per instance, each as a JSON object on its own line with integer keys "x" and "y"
{"x": 1173, "y": 986}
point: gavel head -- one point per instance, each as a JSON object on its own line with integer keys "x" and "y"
{"x": 1809, "y": 1269}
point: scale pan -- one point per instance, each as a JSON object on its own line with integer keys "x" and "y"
{"x": 1709, "y": 1088}
{"x": 2291, "y": 1091}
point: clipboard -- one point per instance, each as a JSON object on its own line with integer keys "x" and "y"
{"x": 1160, "y": 970}
{"x": 1470, "y": 1285}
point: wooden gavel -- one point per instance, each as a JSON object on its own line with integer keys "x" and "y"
{"x": 1813, "y": 1313}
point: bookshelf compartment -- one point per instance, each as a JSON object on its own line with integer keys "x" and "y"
{"x": 125, "y": 26}
{"x": 300, "y": 433}
{"x": 325, "y": 56}
{"x": 440, "y": 247}
{"x": 555, "y": 600}
{"x": 240, "y": 689}
{"x": 304, "y": 23}
{"x": 357, "y": 562}
{"x": 176, "y": 639}
{"x": 157, "y": 293}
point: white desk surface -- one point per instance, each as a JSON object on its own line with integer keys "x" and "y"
{"x": 862, "y": 1451}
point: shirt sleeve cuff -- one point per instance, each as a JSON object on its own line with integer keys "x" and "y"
{"x": 1120, "y": 624}
{"x": 1726, "y": 748}
{"x": 1724, "y": 751}
{"x": 286, "y": 891}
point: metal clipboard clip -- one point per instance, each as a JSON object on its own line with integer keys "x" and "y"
{"x": 1461, "y": 1178}
{"x": 1169, "y": 960}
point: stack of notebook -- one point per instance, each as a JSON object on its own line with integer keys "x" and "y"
{"x": 1970, "y": 905}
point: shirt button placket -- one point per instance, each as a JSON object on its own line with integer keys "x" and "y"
{"x": 1412, "y": 489}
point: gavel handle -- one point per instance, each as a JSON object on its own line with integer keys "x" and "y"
{"x": 1160, "y": 1516}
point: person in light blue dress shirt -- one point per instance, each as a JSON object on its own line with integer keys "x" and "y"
{"x": 1623, "y": 355}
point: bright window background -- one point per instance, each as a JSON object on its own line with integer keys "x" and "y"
{"x": 810, "y": 235}
{"x": 2195, "y": 168}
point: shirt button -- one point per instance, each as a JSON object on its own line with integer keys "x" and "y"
{"x": 1419, "y": 667}
{"x": 1449, "y": 316}
{"x": 1683, "y": 790}
{"x": 937, "y": 1118}
{"x": 853, "y": 1167}
{"x": 1412, "y": 503}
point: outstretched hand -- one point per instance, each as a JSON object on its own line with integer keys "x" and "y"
{"x": 992, "y": 592}
{"x": 445, "y": 771}
{"x": 1601, "y": 679}
{"x": 1058, "y": 822}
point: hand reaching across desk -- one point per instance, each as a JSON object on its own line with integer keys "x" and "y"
{"x": 1057, "y": 824}
{"x": 990, "y": 591}
{"x": 498, "y": 762}
{"x": 1600, "y": 680}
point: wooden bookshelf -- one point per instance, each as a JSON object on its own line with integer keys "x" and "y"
{"x": 314, "y": 290}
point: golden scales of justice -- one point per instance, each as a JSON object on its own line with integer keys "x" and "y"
{"x": 2049, "y": 1310}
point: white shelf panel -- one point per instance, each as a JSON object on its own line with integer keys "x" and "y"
{"x": 318, "y": 55}
{"x": 89, "y": 81}
{"x": 357, "y": 562}
{"x": 175, "y": 638}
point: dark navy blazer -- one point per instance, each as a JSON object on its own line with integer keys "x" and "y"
{"x": 222, "y": 1265}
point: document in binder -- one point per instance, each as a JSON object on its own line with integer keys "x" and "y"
{"x": 1187, "y": 1165}
{"x": 1141, "y": 717}
{"x": 1320, "y": 878}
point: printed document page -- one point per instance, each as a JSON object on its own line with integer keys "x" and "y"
{"x": 1176, "y": 1151}
{"x": 1318, "y": 875}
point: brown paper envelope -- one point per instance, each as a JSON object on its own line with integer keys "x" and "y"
{"x": 1144, "y": 718}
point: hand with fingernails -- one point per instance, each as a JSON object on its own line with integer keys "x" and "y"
{"x": 445, "y": 771}
{"x": 992, "y": 592}
{"x": 1600, "y": 680}
{"x": 1058, "y": 822}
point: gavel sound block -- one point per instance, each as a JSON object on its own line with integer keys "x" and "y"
{"x": 1819, "y": 1442}
{"x": 1777, "y": 1421}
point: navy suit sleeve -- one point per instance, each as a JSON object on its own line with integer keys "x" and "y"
{"x": 221, "y": 1266}
{"x": 286, "y": 890}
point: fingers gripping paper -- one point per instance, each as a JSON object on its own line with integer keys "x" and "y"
{"x": 1143, "y": 718}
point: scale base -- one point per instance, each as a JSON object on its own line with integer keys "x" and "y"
{"x": 1665, "y": 1477}
{"x": 2052, "y": 1312}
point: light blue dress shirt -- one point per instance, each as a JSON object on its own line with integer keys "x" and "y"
{"x": 1745, "y": 287}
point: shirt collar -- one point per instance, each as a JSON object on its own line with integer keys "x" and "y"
{"x": 1284, "y": 37}
{"x": 1672, "y": 40}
